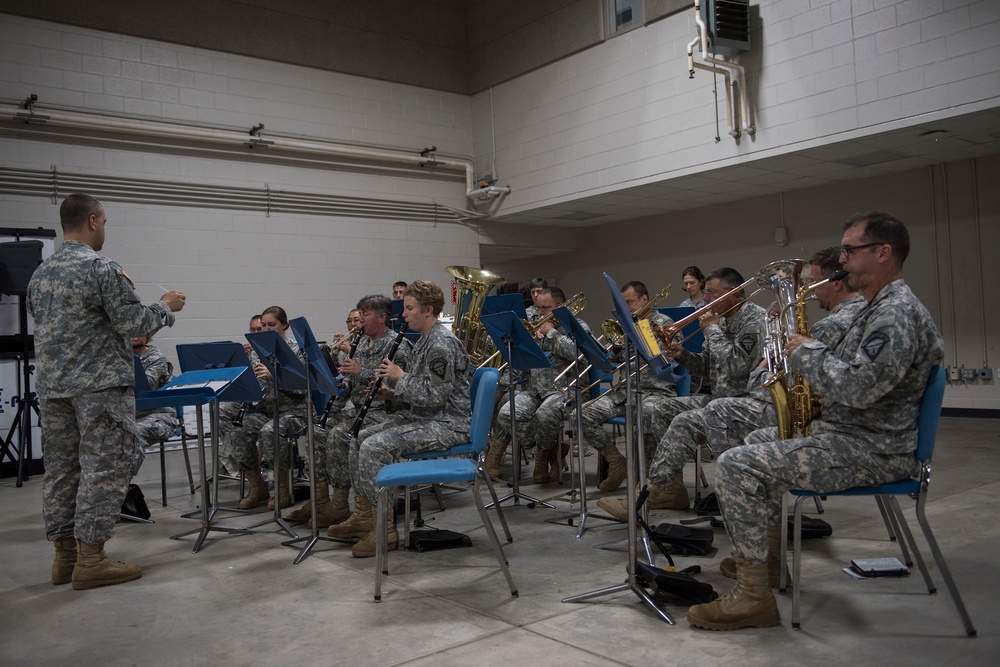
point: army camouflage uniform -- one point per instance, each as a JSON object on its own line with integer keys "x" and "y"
{"x": 369, "y": 354}
{"x": 253, "y": 442}
{"x": 733, "y": 348}
{"x": 85, "y": 308}
{"x": 153, "y": 425}
{"x": 871, "y": 384}
{"x": 655, "y": 392}
{"x": 436, "y": 389}
{"x": 728, "y": 421}
{"x": 540, "y": 408}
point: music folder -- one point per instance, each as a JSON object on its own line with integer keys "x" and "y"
{"x": 660, "y": 365}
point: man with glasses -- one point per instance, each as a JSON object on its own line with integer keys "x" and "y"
{"x": 871, "y": 383}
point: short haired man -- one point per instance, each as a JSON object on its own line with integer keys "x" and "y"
{"x": 85, "y": 308}
{"x": 398, "y": 289}
{"x": 871, "y": 383}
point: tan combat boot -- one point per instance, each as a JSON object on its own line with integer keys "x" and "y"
{"x": 64, "y": 561}
{"x": 617, "y": 470}
{"x": 540, "y": 475}
{"x": 285, "y": 491}
{"x": 749, "y": 605}
{"x": 359, "y": 524}
{"x": 304, "y": 513}
{"x": 494, "y": 457}
{"x": 366, "y": 547}
{"x": 674, "y": 497}
{"x": 256, "y": 490}
{"x": 728, "y": 565}
{"x": 556, "y": 461}
{"x": 94, "y": 568}
{"x": 335, "y": 511}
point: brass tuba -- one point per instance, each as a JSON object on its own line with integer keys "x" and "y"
{"x": 473, "y": 286}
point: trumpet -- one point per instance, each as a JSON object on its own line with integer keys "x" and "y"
{"x": 575, "y": 305}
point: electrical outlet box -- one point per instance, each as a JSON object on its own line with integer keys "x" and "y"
{"x": 970, "y": 374}
{"x": 985, "y": 373}
{"x": 952, "y": 374}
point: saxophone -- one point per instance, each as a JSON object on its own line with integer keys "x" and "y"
{"x": 790, "y": 391}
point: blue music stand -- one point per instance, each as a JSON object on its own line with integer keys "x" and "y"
{"x": 633, "y": 413}
{"x": 502, "y": 303}
{"x": 521, "y": 352}
{"x": 199, "y": 388}
{"x": 319, "y": 379}
{"x": 597, "y": 357}
{"x": 289, "y": 374}
{"x": 246, "y": 389}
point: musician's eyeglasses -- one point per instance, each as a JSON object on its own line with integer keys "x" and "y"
{"x": 848, "y": 250}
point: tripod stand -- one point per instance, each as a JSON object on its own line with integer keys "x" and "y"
{"x": 27, "y": 401}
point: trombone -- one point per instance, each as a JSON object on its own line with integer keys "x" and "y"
{"x": 612, "y": 332}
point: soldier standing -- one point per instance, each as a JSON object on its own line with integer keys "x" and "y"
{"x": 85, "y": 309}
{"x": 871, "y": 383}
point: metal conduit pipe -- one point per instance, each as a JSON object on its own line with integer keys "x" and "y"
{"x": 51, "y": 183}
{"x": 720, "y": 66}
{"x": 234, "y": 138}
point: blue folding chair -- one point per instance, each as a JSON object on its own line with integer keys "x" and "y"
{"x": 885, "y": 496}
{"x": 445, "y": 471}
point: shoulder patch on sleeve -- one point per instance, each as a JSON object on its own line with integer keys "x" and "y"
{"x": 748, "y": 342}
{"x": 438, "y": 366}
{"x": 874, "y": 344}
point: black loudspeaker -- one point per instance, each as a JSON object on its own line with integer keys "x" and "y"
{"x": 18, "y": 261}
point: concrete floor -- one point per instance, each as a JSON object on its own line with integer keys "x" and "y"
{"x": 240, "y": 600}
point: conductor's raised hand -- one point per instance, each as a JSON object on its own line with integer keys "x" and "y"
{"x": 174, "y": 299}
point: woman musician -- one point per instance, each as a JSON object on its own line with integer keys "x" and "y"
{"x": 435, "y": 388}
{"x": 333, "y": 459}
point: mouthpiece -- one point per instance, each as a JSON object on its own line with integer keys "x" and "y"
{"x": 838, "y": 275}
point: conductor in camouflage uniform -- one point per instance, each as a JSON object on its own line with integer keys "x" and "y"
{"x": 435, "y": 388}
{"x": 871, "y": 383}
{"x": 85, "y": 310}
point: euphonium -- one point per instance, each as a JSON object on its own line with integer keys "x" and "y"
{"x": 790, "y": 391}
{"x": 473, "y": 286}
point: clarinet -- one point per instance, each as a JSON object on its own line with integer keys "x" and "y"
{"x": 376, "y": 386}
{"x": 350, "y": 355}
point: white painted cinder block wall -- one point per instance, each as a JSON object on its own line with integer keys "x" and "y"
{"x": 624, "y": 113}
{"x": 234, "y": 263}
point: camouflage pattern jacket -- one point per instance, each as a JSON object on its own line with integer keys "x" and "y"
{"x": 872, "y": 381}
{"x": 85, "y": 308}
{"x": 159, "y": 371}
{"x": 437, "y": 384}
{"x": 732, "y": 349}
{"x": 370, "y": 354}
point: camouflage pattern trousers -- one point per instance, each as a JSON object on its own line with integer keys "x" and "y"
{"x": 337, "y": 448}
{"x": 611, "y": 405}
{"x": 664, "y": 414}
{"x": 88, "y": 443}
{"x": 752, "y": 480}
{"x": 385, "y": 443}
{"x": 538, "y": 420}
{"x": 150, "y": 429}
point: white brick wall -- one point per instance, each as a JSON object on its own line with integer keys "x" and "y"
{"x": 844, "y": 66}
{"x": 232, "y": 263}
